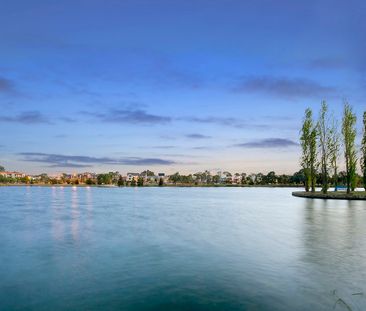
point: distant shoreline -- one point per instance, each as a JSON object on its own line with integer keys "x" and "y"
{"x": 151, "y": 186}
{"x": 339, "y": 195}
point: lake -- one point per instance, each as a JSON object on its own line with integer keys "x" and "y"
{"x": 179, "y": 249}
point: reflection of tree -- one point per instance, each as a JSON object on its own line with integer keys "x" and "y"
{"x": 75, "y": 213}
{"x": 57, "y": 205}
{"x": 334, "y": 254}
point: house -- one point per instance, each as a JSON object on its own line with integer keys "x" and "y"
{"x": 237, "y": 178}
{"x": 225, "y": 177}
{"x": 132, "y": 176}
{"x": 12, "y": 175}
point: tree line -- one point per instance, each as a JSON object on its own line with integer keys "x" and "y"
{"x": 324, "y": 141}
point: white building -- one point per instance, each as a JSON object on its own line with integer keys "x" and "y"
{"x": 12, "y": 174}
{"x": 132, "y": 176}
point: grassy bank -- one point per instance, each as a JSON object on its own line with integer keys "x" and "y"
{"x": 339, "y": 195}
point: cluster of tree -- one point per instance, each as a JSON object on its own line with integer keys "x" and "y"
{"x": 322, "y": 143}
{"x": 10, "y": 180}
{"x": 227, "y": 178}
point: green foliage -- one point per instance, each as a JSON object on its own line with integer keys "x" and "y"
{"x": 89, "y": 182}
{"x": 161, "y": 182}
{"x": 120, "y": 182}
{"x": 147, "y": 173}
{"x": 133, "y": 182}
{"x": 308, "y": 135}
{"x": 271, "y": 178}
{"x": 104, "y": 179}
{"x": 324, "y": 134}
{"x": 334, "y": 149}
{"x": 349, "y": 136}
{"x": 181, "y": 179}
{"x": 140, "y": 182}
{"x": 363, "y": 151}
{"x": 215, "y": 179}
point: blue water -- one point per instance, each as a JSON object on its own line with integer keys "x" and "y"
{"x": 179, "y": 249}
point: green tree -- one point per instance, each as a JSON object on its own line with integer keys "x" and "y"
{"x": 363, "y": 151}
{"x": 324, "y": 134}
{"x": 133, "y": 182}
{"x": 175, "y": 177}
{"x": 308, "y": 135}
{"x": 140, "y": 181}
{"x": 243, "y": 178}
{"x": 89, "y": 182}
{"x": 161, "y": 182}
{"x": 104, "y": 179}
{"x": 147, "y": 173}
{"x": 334, "y": 147}
{"x": 271, "y": 178}
{"x": 349, "y": 136}
{"x": 120, "y": 182}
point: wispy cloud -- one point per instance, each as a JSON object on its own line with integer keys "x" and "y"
{"x": 59, "y": 160}
{"x": 163, "y": 147}
{"x": 6, "y": 86}
{"x": 327, "y": 63}
{"x": 134, "y": 116}
{"x": 224, "y": 121}
{"x": 268, "y": 143}
{"x": 203, "y": 147}
{"x": 27, "y": 117}
{"x": 67, "y": 119}
{"x": 197, "y": 136}
{"x": 283, "y": 87}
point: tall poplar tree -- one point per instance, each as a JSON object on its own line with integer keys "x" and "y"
{"x": 305, "y": 146}
{"x": 308, "y": 146}
{"x": 324, "y": 145}
{"x": 349, "y": 136}
{"x": 313, "y": 157}
{"x": 363, "y": 151}
{"x": 334, "y": 145}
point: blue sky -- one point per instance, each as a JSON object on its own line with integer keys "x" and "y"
{"x": 172, "y": 85}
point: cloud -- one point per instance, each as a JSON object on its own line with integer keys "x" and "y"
{"x": 27, "y": 117}
{"x": 197, "y": 136}
{"x": 6, "y": 86}
{"x": 202, "y": 147}
{"x": 268, "y": 143}
{"x": 58, "y": 160}
{"x": 134, "y": 116}
{"x": 67, "y": 119}
{"x": 163, "y": 147}
{"x": 283, "y": 87}
{"x": 327, "y": 63}
{"x": 224, "y": 121}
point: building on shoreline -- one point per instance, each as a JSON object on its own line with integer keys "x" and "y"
{"x": 12, "y": 175}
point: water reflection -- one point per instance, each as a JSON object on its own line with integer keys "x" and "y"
{"x": 177, "y": 248}
{"x": 89, "y": 208}
{"x": 335, "y": 250}
{"x": 75, "y": 213}
{"x": 57, "y": 206}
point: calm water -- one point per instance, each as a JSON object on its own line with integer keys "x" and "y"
{"x": 179, "y": 249}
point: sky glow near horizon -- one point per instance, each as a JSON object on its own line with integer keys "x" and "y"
{"x": 172, "y": 85}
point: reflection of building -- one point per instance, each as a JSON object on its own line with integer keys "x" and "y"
{"x": 12, "y": 175}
